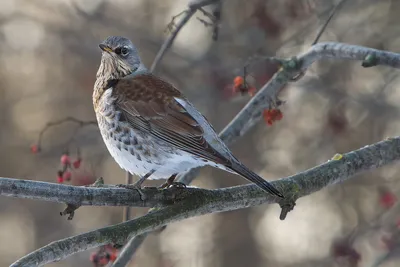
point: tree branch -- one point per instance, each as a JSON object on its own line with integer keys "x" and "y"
{"x": 203, "y": 201}
{"x": 91, "y": 196}
{"x": 59, "y": 122}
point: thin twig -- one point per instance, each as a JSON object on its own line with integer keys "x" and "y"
{"x": 257, "y": 58}
{"x": 187, "y": 14}
{"x": 321, "y": 31}
{"x": 62, "y": 121}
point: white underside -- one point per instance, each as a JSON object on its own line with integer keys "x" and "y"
{"x": 174, "y": 164}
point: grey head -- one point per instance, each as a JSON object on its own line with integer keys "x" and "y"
{"x": 120, "y": 58}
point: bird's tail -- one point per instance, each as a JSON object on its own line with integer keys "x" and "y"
{"x": 253, "y": 177}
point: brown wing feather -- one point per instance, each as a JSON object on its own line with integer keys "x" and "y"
{"x": 148, "y": 103}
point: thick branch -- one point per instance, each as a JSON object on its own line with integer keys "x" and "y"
{"x": 203, "y": 201}
{"x": 93, "y": 196}
{"x": 351, "y": 52}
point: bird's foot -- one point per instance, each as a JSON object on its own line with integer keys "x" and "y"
{"x": 177, "y": 185}
{"x": 138, "y": 185}
{"x": 171, "y": 183}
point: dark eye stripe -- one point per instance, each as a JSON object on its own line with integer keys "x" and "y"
{"x": 117, "y": 50}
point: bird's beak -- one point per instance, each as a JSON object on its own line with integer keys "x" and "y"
{"x": 105, "y": 48}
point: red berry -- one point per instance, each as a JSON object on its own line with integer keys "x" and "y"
{"x": 272, "y": 115}
{"x": 77, "y": 163}
{"x": 238, "y": 81}
{"x": 60, "y": 178}
{"x": 65, "y": 160}
{"x": 113, "y": 256}
{"x": 35, "y": 149}
{"x": 67, "y": 175}
{"x": 388, "y": 199}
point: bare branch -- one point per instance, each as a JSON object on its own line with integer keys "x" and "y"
{"x": 62, "y": 121}
{"x": 202, "y": 201}
{"x": 87, "y": 195}
{"x": 126, "y": 254}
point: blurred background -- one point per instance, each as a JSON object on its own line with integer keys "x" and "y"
{"x": 48, "y": 61}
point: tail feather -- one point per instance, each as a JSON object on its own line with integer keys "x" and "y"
{"x": 253, "y": 177}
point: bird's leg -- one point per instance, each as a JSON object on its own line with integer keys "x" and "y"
{"x": 138, "y": 184}
{"x": 171, "y": 182}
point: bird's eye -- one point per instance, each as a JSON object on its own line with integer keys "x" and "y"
{"x": 121, "y": 51}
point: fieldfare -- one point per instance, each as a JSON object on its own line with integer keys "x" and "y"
{"x": 149, "y": 127}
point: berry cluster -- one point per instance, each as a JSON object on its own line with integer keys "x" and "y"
{"x": 272, "y": 115}
{"x": 241, "y": 86}
{"x": 65, "y": 173}
{"x": 104, "y": 255}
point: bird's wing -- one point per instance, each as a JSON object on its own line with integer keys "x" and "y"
{"x": 158, "y": 109}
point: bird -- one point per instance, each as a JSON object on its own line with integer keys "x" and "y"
{"x": 149, "y": 127}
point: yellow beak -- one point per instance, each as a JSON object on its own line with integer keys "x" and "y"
{"x": 105, "y": 48}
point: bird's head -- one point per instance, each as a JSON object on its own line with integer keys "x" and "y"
{"x": 119, "y": 58}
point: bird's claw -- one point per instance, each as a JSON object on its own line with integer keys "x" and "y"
{"x": 173, "y": 184}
